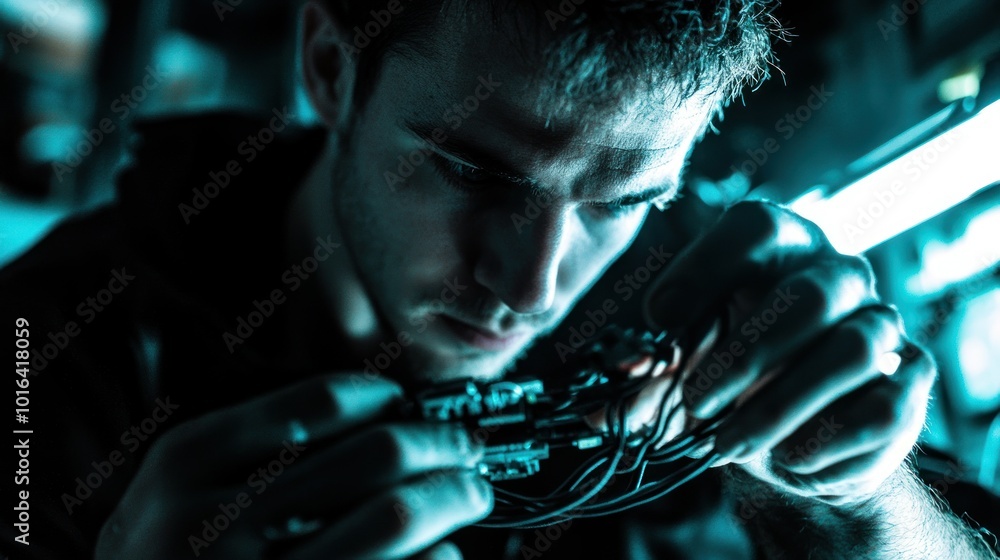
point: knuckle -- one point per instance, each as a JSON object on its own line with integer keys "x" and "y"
{"x": 162, "y": 450}
{"x": 815, "y": 294}
{"x": 857, "y": 345}
{"x": 456, "y": 440}
{"x": 860, "y": 268}
{"x": 405, "y": 509}
{"x": 853, "y": 279}
{"x": 389, "y": 444}
{"x": 333, "y": 403}
{"x": 888, "y": 316}
{"x": 760, "y": 221}
{"x": 921, "y": 362}
{"x": 480, "y": 495}
{"x": 166, "y": 449}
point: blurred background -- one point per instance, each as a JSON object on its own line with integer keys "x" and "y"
{"x": 863, "y": 84}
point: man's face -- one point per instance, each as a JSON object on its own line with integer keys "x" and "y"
{"x": 472, "y": 222}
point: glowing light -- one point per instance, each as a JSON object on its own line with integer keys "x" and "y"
{"x": 910, "y": 190}
{"x": 976, "y": 251}
{"x": 979, "y": 350}
{"x": 889, "y": 363}
{"x": 81, "y": 18}
{"x": 965, "y": 84}
{"x": 23, "y": 224}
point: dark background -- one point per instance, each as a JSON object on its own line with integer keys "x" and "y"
{"x": 889, "y": 65}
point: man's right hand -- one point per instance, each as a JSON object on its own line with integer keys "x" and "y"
{"x": 378, "y": 489}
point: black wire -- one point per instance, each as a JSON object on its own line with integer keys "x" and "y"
{"x": 693, "y": 471}
{"x": 566, "y": 502}
{"x": 557, "y": 512}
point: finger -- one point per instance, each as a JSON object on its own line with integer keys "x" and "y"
{"x": 442, "y": 551}
{"x": 753, "y": 244}
{"x": 365, "y": 464}
{"x": 783, "y": 323}
{"x": 644, "y": 408}
{"x": 843, "y": 361}
{"x": 855, "y": 477}
{"x": 886, "y": 414}
{"x": 403, "y": 521}
{"x": 313, "y": 410}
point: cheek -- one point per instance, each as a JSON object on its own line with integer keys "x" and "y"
{"x": 597, "y": 245}
{"x": 412, "y": 219}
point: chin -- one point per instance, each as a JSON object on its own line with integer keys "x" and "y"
{"x": 435, "y": 368}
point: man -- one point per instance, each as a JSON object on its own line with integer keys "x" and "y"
{"x": 205, "y": 385}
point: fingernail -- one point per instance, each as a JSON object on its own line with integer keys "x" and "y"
{"x": 484, "y": 488}
{"x": 732, "y": 454}
{"x": 719, "y": 463}
{"x": 467, "y": 444}
{"x": 708, "y": 409}
{"x": 705, "y": 408}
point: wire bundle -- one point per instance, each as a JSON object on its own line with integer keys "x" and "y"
{"x": 586, "y": 493}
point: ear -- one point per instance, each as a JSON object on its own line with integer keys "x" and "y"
{"x": 328, "y": 65}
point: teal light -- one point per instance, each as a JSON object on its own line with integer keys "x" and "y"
{"x": 975, "y": 252}
{"x": 23, "y": 224}
{"x": 926, "y": 181}
{"x": 979, "y": 348}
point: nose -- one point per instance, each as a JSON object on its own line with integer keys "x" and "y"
{"x": 520, "y": 261}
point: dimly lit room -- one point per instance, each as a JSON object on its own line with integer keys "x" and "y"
{"x": 502, "y": 279}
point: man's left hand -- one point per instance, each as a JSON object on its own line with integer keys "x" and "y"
{"x": 829, "y": 394}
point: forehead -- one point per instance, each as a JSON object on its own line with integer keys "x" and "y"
{"x": 482, "y": 82}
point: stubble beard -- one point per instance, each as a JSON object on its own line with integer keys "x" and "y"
{"x": 370, "y": 258}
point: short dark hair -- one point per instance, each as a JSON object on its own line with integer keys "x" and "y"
{"x": 603, "y": 49}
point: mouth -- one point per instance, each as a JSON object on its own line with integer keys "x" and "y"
{"x": 483, "y": 338}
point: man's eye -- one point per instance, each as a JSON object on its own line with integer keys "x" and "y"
{"x": 461, "y": 175}
{"x": 613, "y": 211}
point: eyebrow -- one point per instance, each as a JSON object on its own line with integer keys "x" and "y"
{"x": 646, "y": 196}
{"x": 472, "y": 154}
{"x": 496, "y": 166}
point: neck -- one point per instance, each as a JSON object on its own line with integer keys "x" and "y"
{"x": 330, "y": 303}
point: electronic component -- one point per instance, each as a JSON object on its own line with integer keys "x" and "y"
{"x": 521, "y": 422}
